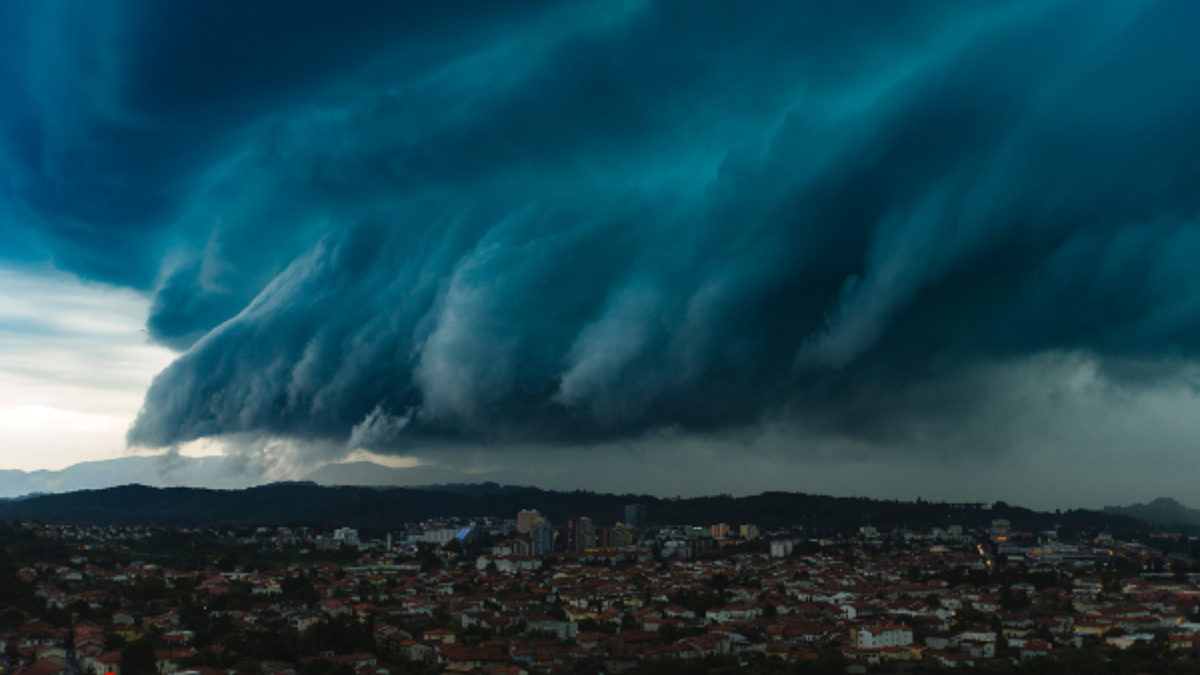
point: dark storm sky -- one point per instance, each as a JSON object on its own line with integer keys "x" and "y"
{"x": 414, "y": 226}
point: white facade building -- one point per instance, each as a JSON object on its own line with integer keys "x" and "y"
{"x": 781, "y": 548}
{"x": 872, "y": 637}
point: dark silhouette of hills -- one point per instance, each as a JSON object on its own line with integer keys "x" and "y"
{"x": 216, "y": 472}
{"x": 1162, "y": 511}
{"x": 373, "y": 507}
{"x": 141, "y": 469}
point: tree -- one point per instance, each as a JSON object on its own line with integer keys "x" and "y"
{"x": 831, "y": 662}
{"x": 12, "y": 618}
{"x": 59, "y": 617}
{"x": 719, "y": 582}
{"x": 138, "y": 658}
{"x": 13, "y": 654}
{"x": 248, "y": 667}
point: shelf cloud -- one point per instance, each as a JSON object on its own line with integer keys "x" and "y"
{"x": 572, "y": 223}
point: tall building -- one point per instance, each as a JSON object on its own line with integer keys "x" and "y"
{"x": 527, "y": 520}
{"x": 635, "y": 515}
{"x": 617, "y": 536}
{"x": 543, "y": 538}
{"x": 720, "y": 531}
{"x": 999, "y": 530}
{"x": 749, "y": 531}
{"x": 585, "y": 534}
{"x": 346, "y": 535}
{"x": 570, "y": 534}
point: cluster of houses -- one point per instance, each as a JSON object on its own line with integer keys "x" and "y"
{"x": 508, "y": 614}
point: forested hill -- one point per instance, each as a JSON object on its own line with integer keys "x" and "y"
{"x": 300, "y": 503}
{"x": 1162, "y": 511}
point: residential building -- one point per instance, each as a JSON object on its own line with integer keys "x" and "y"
{"x": 635, "y": 515}
{"x": 999, "y": 530}
{"x": 542, "y": 538}
{"x": 586, "y": 534}
{"x": 781, "y": 548}
{"x": 570, "y": 534}
{"x": 527, "y": 520}
{"x": 873, "y": 637}
{"x": 346, "y": 535}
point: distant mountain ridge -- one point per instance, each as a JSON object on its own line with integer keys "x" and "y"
{"x": 384, "y": 508}
{"x": 148, "y": 470}
{"x": 1162, "y": 511}
{"x": 207, "y": 490}
{"x": 218, "y": 473}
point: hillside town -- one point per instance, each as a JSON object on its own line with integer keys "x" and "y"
{"x": 524, "y": 595}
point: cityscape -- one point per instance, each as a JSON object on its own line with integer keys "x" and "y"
{"x": 599, "y": 337}
{"x": 523, "y": 595}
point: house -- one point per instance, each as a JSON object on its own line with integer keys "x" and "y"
{"x": 561, "y": 629}
{"x": 439, "y": 635}
{"x": 870, "y": 637}
{"x": 856, "y": 610}
{"x": 1127, "y": 641}
{"x": 334, "y": 607}
{"x": 979, "y": 650}
{"x": 731, "y": 613}
{"x": 356, "y": 661}
{"x": 955, "y": 659}
{"x": 589, "y": 641}
{"x": 54, "y": 653}
{"x": 166, "y": 661}
{"x": 43, "y": 668}
{"x": 304, "y": 621}
{"x": 641, "y": 638}
{"x": 1035, "y": 648}
{"x": 416, "y": 651}
{"x": 1180, "y": 642}
{"x": 108, "y": 664}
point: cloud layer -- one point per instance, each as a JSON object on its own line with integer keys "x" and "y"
{"x": 74, "y": 365}
{"x": 568, "y": 223}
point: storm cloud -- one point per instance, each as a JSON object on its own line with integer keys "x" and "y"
{"x": 468, "y": 223}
